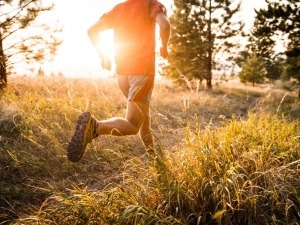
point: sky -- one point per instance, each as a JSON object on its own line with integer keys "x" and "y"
{"x": 76, "y": 56}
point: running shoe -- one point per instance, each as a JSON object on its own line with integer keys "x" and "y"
{"x": 85, "y": 132}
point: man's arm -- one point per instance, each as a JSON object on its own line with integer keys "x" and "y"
{"x": 165, "y": 32}
{"x": 93, "y": 33}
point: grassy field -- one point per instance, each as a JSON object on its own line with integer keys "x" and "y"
{"x": 230, "y": 155}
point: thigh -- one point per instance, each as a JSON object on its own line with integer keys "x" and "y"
{"x": 123, "y": 84}
{"x": 140, "y": 88}
{"x": 137, "y": 112}
{"x": 137, "y": 88}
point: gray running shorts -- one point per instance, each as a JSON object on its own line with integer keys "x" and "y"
{"x": 137, "y": 87}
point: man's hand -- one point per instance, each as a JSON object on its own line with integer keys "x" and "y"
{"x": 165, "y": 32}
{"x": 164, "y": 52}
{"x": 93, "y": 32}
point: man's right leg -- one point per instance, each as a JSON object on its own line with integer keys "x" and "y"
{"x": 89, "y": 128}
{"x": 130, "y": 125}
{"x": 137, "y": 120}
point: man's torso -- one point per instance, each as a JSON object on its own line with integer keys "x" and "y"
{"x": 133, "y": 22}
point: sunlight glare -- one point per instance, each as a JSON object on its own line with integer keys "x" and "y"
{"x": 107, "y": 44}
{"x": 77, "y": 57}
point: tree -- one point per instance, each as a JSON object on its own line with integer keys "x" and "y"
{"x": 280, "y": 21}
{"x": 274, "y": 69}
{"x": 263, "y": 44}
{"x": 201, "y": 29}
{"x": 22, "y": 38}
{"x": 292, "y": 69}
{"x": 253, "y": 70}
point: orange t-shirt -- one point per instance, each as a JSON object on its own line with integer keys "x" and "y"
{"x": 133, "y": 22}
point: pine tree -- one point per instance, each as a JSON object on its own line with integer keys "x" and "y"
{"x": 253, "y": 70}
{"x": 263, "y": 44}
{"x": 292, "y": 69}
{"x": 279, "y": 20}
{"x": 22, "y": 39}
{"x": 201, "y": 29}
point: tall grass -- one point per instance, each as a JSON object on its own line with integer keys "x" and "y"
{"x": 243, "y": 173}
{"x": 210, "y": 167}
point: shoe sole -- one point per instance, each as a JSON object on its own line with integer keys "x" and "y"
{"x": 77, "y": 146}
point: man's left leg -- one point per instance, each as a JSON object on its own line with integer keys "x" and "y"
{"x": 146, "y": 134}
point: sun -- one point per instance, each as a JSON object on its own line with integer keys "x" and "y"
{"x": 106, "y": 43}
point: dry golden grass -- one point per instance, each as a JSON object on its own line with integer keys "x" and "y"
{"x": 225, "y": 156}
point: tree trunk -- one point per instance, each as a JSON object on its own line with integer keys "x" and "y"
{"x": 3, "y": 74}
{"x": 208, "y": 80}
{"x": 210, "y": 41}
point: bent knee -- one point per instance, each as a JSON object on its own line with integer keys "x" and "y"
{"x": 135, "y": 132}
{"x": 134, "y": 129}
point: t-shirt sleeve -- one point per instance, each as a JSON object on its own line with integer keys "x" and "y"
{"x": 107, "y": 19}
{"x": 155, "y": 8}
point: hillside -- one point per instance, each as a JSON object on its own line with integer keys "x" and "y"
{"x": 227, "y": 155}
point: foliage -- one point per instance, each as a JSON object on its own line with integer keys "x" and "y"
{"x": 281, "y": 16}
{"x": 201, "y": 29}
{"x": 263, "y": 44}
{"x": 278, "y": 22}
{"x": 253, "y": 70}
{"x": 22, "y": 38}
{"x": 274, "y": 70}
{"x": 293, "y": 64}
